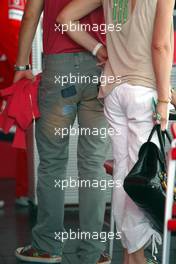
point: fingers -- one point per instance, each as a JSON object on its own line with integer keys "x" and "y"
{"x": 18, "y": 76}
{"x": 163, "y": 125}
{"x": 23, "y": 75}
{"x": 102, "y": 55}
{"x": 162, "y": 122}
{"x": 101, "y": 63}
{"x": 16, "y": 79}
{"x": 33, "y": 79}
{"x": 161, "y": 115}
{"x": 30, "y": 76}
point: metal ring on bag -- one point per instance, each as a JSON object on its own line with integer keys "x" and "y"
{"x": 163, "y": 177}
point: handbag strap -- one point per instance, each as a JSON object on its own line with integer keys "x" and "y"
{"x": 151, "y": 134}
{"x": 161, "y": 137}
{"x": 163, "y": 134}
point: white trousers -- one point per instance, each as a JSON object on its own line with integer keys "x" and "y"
{"x": 128, "y": 110}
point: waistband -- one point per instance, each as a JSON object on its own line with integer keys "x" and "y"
{"x": 81, "y": 56}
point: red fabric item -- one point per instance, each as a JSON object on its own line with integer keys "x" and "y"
{"x": 8, "y": 155}
{"x": 11, "y": 12}
{"x": 54, "y": 41}
{"x": 17, "y": 159}
{"x": 6, "y": 72}
{"x": 21, "y": 107}
{"x": 10, "y": 21}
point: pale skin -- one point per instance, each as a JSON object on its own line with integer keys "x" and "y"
{"x": 29, "y": 24}
{"x": 161, "y": 55}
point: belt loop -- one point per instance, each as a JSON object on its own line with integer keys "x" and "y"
{"x": 76, "y": 60}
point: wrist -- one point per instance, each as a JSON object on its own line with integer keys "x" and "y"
{"x": 22, "y": 67}
{"x": 164, "y": 101}
{"x": 96, "y": 48}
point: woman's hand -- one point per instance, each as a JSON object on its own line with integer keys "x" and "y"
{"x": 102, "y": 56}
{"x": 23, "y": 75}
{"x": 163, "y": 110}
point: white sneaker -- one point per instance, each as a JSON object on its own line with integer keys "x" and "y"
{"x": 1, "y": 204}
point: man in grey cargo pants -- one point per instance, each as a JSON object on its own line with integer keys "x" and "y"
{"x": 60, "y": 101}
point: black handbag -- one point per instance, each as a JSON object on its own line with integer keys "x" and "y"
{"x": 146, "y": 183}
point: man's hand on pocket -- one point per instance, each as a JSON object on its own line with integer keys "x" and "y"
{"x": 102, "y": 56}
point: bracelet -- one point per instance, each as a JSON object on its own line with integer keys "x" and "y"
{"x": 96, "y": 49}
{"x": 23, "y": 67}
{"x": 157, "y": 116}
{"x": 164, "y": 101}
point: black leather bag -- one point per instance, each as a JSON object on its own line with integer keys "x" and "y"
{"x": 146, "y": 183}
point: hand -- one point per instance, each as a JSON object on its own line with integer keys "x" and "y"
{"x": 102, "y": 56}
{"x": 23, "y": 75}
{"x": 163, "y": 110}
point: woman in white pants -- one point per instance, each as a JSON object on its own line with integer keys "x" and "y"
{"x": 140, "y": 50}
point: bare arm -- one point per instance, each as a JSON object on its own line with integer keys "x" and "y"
{"x": 29, "y": 24}
{"x": 162, "y": 53}
{"x": 72, "y": 13}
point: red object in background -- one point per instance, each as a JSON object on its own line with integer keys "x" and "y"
{"x": 172, "y": 225}
{"x": 20, "y": 114}
{"x": 6, "y": 75}
{"x": 15, "y": 164}
{"x": 21, "y": 174}
{"x": 8, "y": 158}
{"x": 10, "y": 17}
{"x": 10, "y": 20}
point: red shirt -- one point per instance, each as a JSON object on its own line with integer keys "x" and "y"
{"x": 56, "y": 42}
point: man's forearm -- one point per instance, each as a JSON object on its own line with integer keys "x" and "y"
{"x": 28, "y": 28}
{"x": 71, "y": 14}
{"x": 26, "y": 36}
